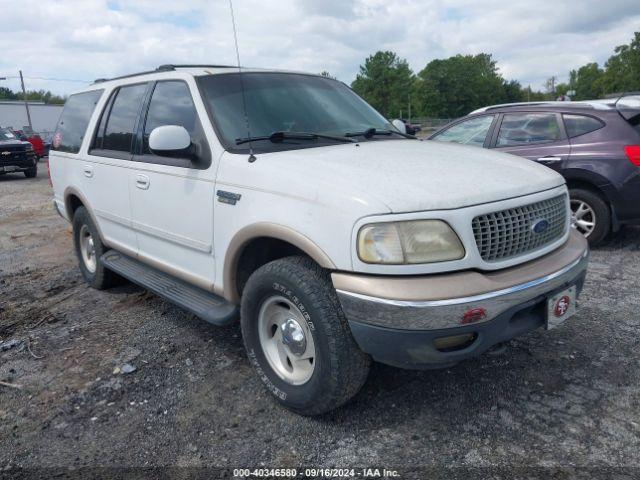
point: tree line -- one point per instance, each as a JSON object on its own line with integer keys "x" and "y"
{"x": 32, "y": 95}
{"x": 452, "y": 87}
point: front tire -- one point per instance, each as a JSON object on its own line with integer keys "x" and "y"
{"x": 590, "y": 215}
{"x": 32, "y": 172}
{"x": 297, "y": 337}
{"x": 89, "y": 248}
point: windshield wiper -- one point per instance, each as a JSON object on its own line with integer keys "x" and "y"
{"x": 370, "y": 132}
{"x": 278, "y": 137}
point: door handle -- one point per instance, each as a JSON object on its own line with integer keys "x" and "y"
{"x": 142, "y": 182}
{"x": 88, "y": 171}
{"x": 550, "y": 158}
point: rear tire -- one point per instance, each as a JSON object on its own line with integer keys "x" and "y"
{"x": 293, "y": 300}
{"x": 591, "y": 215}
{"x": 89, "y": 248}
{"x": 32, "y": 172}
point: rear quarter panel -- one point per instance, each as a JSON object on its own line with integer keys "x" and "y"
{"x": 599, "y": 157}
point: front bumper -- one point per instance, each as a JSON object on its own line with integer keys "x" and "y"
{"x": 401, "y": 330}
{"x": 18, "y": 162}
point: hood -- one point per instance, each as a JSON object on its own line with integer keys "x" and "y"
{"x": 13, "y": 144}
{"x": 403, "y": 175}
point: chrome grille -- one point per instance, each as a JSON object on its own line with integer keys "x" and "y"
{"x": 12, "y": 158}
{"x": 509, "y": 233}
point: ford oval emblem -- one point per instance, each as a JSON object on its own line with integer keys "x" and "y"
{"x": 540, "y": 226}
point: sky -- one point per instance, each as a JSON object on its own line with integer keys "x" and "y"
{"x": 83, "y": 40}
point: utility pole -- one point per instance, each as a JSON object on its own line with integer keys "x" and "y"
{"x": 409, "y": 97}
{"x": 26, "y": 103}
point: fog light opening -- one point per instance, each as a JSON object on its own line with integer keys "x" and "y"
{"x": 454, "y": 342}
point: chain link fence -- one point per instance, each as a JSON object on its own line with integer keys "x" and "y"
{"x": 429, "y": 125}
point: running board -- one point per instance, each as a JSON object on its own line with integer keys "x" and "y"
{"x": 205, "y": 305}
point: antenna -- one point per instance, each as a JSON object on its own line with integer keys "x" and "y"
{"x": 252, "y": 157}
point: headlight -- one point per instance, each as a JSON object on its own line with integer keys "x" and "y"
{"x": 29, "y": 147}
{"x": 410, "y": 242}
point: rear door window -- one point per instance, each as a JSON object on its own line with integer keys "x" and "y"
{"x": 116, "y": 129}
{"x": 104, "y": 116}
{"x": 527, "y": 129}
{"x": 74, "y": 120}
{"x": 580, "y": 124}
{"x": 470, "y": 132}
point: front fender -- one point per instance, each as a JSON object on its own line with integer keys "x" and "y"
{"x": 266, "y": 230}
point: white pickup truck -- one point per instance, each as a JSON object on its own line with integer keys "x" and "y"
{"x": 286, "y": 200}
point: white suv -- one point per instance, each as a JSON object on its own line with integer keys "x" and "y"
{"x": 285, "y": 199}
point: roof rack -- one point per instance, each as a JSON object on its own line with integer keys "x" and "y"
{"x": 593, "y": 104}
{"x": 162, "y": 68}
{"x": 171, "y": 66}
{"x": 100, "y": 80}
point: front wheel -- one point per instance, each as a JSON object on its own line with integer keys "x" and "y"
{"x": 298, "y": 339}
{"x": 590, "y": 215}
{"x": 32, "y": 172}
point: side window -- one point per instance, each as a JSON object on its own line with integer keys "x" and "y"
{"x": 171, "y": 104}
{"x": 469, "y": 132}
{"x": 580, "y": 124}
{"x": 120, "y": 116}
{"x": 98, "y": 141}
{"x": 528, "y": 128}
{"x": 74, "y": 121}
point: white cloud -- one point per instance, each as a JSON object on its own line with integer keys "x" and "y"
{"x": 87, "y": 39}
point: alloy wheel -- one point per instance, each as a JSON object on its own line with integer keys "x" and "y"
{"x": 583, "y": 217}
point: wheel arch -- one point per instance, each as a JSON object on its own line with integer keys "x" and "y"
{"x": 260, "y": 243}
{"x": 587, "y": 185}
{"x": 597, "y": 184}
{"x": 589, "y": 181}
{"x": 74, "y": 199}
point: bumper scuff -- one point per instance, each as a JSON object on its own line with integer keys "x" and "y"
{"x": 401, "y": 332}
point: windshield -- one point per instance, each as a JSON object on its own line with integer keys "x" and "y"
{"x": 286, "y": 102}
{"x": 6, "y": 134}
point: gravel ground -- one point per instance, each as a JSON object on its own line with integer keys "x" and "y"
{"x": 552, "y": 402}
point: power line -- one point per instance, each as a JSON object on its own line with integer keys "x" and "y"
{"x": 49, "y": 79}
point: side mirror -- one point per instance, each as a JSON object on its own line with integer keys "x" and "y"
{"x": 169, "y": 140}
{"x": 400, "y": 125}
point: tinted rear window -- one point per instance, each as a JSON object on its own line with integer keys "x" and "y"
{"x": 580, "y": 124}
{"x": 74, "y": 120}
{"x": 99, "y": 139}
{"x": 118, "y": 133}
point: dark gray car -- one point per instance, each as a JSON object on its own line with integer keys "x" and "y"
{"x": 594, "y": 145}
